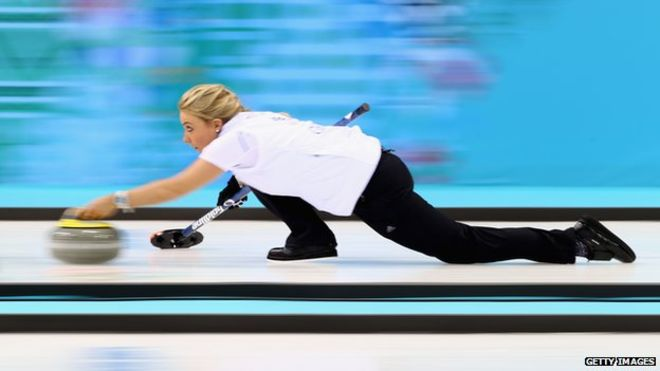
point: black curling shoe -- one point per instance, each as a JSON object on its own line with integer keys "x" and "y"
{"x": 301, "y": 253}
{"x": 601, "y": 243}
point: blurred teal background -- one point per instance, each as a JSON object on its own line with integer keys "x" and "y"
{"x": 491, "y": 102}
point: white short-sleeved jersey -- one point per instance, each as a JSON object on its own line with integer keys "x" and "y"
{"x": 327, "y": 166}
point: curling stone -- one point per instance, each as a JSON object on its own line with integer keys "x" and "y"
{"x": 84, "y": 242}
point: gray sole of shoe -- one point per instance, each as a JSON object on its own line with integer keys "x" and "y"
{"x": 302, "y": 257}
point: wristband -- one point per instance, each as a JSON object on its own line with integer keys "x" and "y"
{"x": 120, "y": 199}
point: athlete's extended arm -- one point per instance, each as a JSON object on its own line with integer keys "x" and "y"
{"x": 194, "y": 176}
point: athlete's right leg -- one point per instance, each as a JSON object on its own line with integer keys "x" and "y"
{"x": 391, "y": 207}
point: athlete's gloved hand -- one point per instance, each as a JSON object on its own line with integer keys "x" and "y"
{"x": 231, "y": 189}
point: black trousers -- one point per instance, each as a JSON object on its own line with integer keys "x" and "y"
{"x": 391, "y": 207}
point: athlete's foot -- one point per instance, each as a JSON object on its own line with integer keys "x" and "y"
{"x": 600, "y": 243}
{"x": 302, "y": 253}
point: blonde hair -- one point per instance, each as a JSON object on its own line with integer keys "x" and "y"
{"x": 211, "y": 101}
